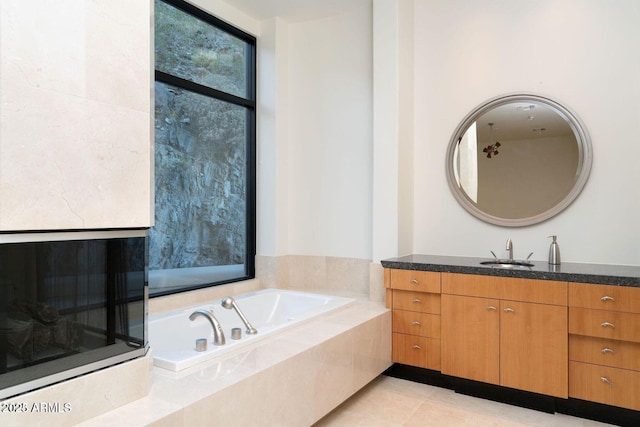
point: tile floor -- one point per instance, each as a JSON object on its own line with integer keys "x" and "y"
{"x": 392, "y": 402}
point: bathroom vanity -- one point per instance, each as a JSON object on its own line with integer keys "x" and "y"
{"x": 557, "y": 338}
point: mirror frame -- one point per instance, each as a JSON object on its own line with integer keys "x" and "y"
{"x": 582, "y": 174}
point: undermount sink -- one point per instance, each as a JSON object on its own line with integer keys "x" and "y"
{"x": 507, "y": 263}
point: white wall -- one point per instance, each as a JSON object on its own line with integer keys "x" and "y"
{"x": 583, "y": 53}
{"x": 329, "y": 196}
{"x": 329, "y": 135}
{"x": 314, "y": 131}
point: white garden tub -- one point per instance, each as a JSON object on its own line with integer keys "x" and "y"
{"x": 172, "y": 336}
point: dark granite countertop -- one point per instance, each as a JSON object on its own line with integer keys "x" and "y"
{"x": 620, "y": 275}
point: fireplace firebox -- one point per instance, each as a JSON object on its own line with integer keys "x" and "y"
{"x": 70, "y": 303}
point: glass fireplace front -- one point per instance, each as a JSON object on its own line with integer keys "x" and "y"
{"x": 70, "y": 306}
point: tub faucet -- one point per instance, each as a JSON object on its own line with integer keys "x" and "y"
{"x": 218, "y": 333}
{"x": 230, "y": 303}
{"x": 510, "y": 249}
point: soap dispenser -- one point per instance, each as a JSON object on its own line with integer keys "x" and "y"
{"x": 554, "y": 252}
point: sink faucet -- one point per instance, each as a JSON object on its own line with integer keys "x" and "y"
{"x": 510, "y": 249}
{"x": 218, "y": 333}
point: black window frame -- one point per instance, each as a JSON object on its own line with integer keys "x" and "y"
{"x": 249, "y": 103}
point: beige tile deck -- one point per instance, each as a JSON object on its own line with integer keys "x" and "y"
{"x": 392, "y": 402}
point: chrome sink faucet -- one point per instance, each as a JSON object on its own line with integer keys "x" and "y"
{"x": 510, "y": 249}
{"x": 218, "y": 333}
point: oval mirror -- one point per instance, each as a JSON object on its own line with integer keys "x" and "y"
{"x": 518, "y": 160}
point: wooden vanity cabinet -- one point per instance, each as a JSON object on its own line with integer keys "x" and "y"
{"x": 506, "y": 331}
{"x": 604, "y": 344}
{"x": 414, "y": 297}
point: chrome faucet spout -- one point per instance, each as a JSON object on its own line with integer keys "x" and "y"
{"x": 218, "y": 333}
{"x": 510, "y": 249}
{"x": 230, "y": 303}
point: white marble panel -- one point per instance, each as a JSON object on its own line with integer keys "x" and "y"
{"x": 68, "y": 162}
{"x": 87, "y": 396}
{"x": 43, "y": 44}
{"x": 118, "y": 52}
{"x": 75, "y": 122}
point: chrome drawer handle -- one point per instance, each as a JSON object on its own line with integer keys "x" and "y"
{"x": 607, "y": 298}
{"x": 490, "y": 307}
{"x": 606, "y": 381}
{"x": 607, "y": 325}
{"x": 416, "y": 347}
{"x": 509, "y": 310}
{"x": 415, "y": 281}
{"x": 416, "y": 300}
{"x": 416, "y": 323}
{"x": 606, "y": 350}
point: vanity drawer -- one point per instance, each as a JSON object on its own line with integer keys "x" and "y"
{"x": 611, "y": 386}
{"x": 605, "y": 297}
{"x": 416, "y": 301}
{"x": 604, "y": 324}
{"x": 508, "y": 288}
{"x": 411, "y": 280}
{"x": 414, "y": 323}
{"x": 601, "y": 351}
{"x": 416, "y": 351}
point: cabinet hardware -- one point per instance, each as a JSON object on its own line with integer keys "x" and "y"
{"x": 416, "y": 323}
{"x": 607, "y": 325}
{"x": 606, "y": 381}
{"x": 490, "y": 307}
{"x": 416, "y": 300}
{"x": 416, "y": 347}
{"x": 606, "y": 350}
{"x": 607, "y": 298}
{"x": 415, "y": 281}
{"x": 509, "y": 310}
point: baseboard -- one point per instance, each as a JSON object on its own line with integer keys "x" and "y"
{"x": 539, "y": 402}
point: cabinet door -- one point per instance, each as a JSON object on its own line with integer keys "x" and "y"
{"x": 534, "y": 348}
{"x": 471, "y": 338}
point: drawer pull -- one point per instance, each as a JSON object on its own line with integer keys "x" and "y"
{"x": 606, "y": 381}
{"x": 606, "y": 350}
{"x": 490, "y": 307}
{"x": 509, "y": 310}
{"x": 416, "y": 323}
{"x": 415, "y": 281}
{"x": 416, "y": 347}
{"x": 607, "y": 325}
{"x": 418, "y": 300}
{"x": 607, "y": 298}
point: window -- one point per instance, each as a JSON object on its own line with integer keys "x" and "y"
{"x": 205, "y": 122}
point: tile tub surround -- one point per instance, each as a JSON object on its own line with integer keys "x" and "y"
{"x": 292, "y": 379}
{"x": 321, "y": 273}
{"x": 620, "y": 275}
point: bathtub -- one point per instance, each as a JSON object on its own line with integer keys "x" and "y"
{"x": 172, "y": 336}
